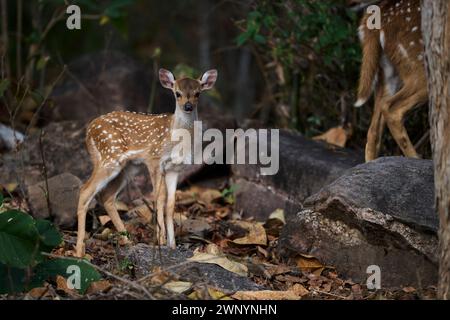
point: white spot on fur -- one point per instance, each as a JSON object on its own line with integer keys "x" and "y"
{"x": 382, "y": 39}
{"x": 403, "y": 50}
{"x": 361, "y": 33}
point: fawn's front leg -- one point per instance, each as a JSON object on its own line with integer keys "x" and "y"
{"x": 159, "y": 198}
{"x": 171, "y": 184}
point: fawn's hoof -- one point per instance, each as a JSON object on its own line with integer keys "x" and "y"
{"x": 79, "y": 252}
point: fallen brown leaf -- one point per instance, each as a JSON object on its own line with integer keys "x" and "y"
{"x": 279, "y": 269}
{"x": 209, "y": 293}
{"x": 121, "y": 206}
{"x": 220, "y": 260}
{"x": 196, "y": 226}
{"x": 279, "y": 215}
{"x": 337, "y": 136}
{"x": 61, "y": 284}
{"x": 409, "y": 289}
{"x": 39, "y": 292}
{"x": 177, "y": 286}
{"x": 299, "y": 290}
{"x": 98, "y": 286}
{"x": 104, "y": 219}
{"x": 266, "y": 295}
{"x": 309, "y": 264}
{"x": 143, "y": 212}
{"x": 256, "y": 233}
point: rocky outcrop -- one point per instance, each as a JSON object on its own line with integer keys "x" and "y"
{"x": 305, "y": 166}
{"x": 379, "y": 213}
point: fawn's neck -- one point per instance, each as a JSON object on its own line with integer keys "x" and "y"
{"x": 183, "y": 120}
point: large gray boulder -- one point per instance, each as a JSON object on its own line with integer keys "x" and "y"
{"x": 305, "y": 166}
{"x": 379, "y": 213}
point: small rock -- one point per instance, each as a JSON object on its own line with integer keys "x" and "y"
{"x": 305, "y": 166}
{"x": 146, "y": 258}
{"x": 63, "y": 191}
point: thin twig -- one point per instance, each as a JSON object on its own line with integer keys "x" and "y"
{"x": 19, "y": 38}
{"x": 33, "y": 118}
{"x": 44, "y": 171}
{"x": 4, "y": 37}
{"x": 106, "y": 272}
{"x": 150, "y": 275}
{"x": 422, "y": 140}
{"x": 329, "y": 294}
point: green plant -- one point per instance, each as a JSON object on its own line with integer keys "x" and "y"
{"x": 30, "y": 67}
{"x": 24, "y": 243}
{"x": 228, "y": 194}
{"x": 126, "y": 265}
{"x": 309, "y": 54}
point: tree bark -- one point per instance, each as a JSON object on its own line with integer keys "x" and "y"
{"x": 436, "y": 30}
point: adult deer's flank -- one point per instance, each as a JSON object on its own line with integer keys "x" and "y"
{"x": 118, "y": 140}
{"x": 393, "y": 67}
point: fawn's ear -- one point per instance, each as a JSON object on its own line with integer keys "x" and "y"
{"x": 208, "y": 79}
{"x": 166, "y": 78}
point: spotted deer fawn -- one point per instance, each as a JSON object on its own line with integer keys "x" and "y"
{"x": 393, "y": 68}
{"x": 118, "y": 140}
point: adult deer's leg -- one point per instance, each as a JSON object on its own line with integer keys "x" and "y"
{"x": 159, "y": 196}
{"x": 375, "y": 132}
{"x": 171, "y": 184}
{"x": 396, "y": 108}
{"x": 99, "y": 178}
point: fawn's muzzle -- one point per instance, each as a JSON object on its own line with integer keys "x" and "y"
{"x": 188, "y": 107}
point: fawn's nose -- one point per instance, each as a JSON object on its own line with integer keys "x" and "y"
{"x": 188, "y": 107}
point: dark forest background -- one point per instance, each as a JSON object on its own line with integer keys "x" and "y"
{"x": 287, "y": 64}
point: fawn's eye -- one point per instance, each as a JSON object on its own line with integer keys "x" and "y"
{"x": 197, "y": 94}
{"x": 178, "y": 94}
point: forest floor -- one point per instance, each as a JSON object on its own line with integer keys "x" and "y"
{"x": 209, "y": 226}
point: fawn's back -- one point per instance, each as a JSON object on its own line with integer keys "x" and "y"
{"x": 120, "y": 136}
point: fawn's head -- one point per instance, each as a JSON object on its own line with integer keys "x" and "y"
{"x": 187, "y": 90}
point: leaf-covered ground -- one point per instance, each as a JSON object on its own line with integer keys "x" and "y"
{"x": 217, "y": 234}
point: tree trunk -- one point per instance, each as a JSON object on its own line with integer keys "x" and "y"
{"x": 436, "y": 28}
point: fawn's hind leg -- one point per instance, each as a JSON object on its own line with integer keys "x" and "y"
{"x": 100, "y": 177}
{"x": 108, "y": 197}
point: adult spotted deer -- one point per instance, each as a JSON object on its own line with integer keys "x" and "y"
{"x": 118, "y": 140}
{"x": 392, "y": 67}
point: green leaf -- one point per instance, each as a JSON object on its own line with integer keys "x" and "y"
{"x": 42, "y": 62}
{"x": 242, "y": 38}
{"x": 49, "y": 235}
{"x": 4, "y": 84}
{"x": 259, "y": 39}
{"x": 116, "y": 8}
{"x": 37, "y": 97}
{"x": 12, "y": 280}
{"x": 19, "y": 239}
{"x": 1, "y": 199}
{"x": 49, "y": 269}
